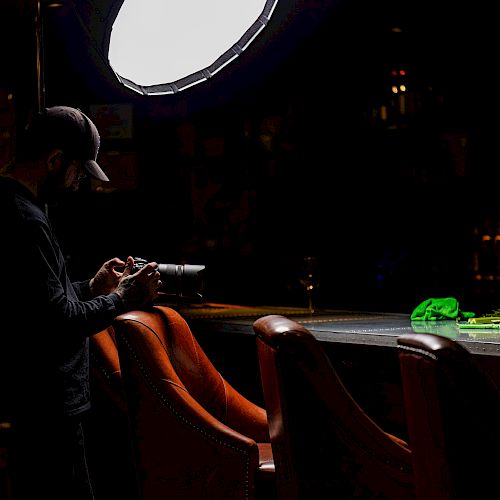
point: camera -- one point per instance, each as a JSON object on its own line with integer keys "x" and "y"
{"x": 184, "y": 281}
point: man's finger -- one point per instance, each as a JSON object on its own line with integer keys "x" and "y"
{"x": 128, "y": 266}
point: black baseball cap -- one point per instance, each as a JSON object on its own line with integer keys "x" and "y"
{"x": 72, "y": 131}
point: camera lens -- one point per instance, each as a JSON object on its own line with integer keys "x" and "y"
{"x": 184, "y": 281}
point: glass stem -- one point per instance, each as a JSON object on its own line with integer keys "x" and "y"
{"x": 310, "y": 302}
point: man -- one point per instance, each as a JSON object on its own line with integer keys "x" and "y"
{"x": 46, "y": 319}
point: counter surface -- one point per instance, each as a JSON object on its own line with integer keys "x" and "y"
{"x": 353, "y": 327}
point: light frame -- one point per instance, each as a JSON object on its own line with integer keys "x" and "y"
{"x": 208, "y": 72}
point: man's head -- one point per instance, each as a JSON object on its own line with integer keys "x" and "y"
{"x": 69, "y": 131}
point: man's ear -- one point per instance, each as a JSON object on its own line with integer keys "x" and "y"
{"x": 55, "y": 160}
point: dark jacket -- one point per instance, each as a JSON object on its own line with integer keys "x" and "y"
{"x": 46, "y": 319}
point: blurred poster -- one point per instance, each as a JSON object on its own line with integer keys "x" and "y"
{"x": 121, "y": 168}
{"x": 114, "y": 121}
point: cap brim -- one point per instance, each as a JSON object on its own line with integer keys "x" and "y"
{"x": 95, "y": 171}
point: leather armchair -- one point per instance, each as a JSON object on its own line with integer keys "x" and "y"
{"x": 453, "y": 414}
{"x": 109, "y": 446}
{"x": 194, "y": 435}
{"x": 324, "y": 445}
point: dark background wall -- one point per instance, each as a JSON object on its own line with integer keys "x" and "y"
{"x": 287, "y": 153}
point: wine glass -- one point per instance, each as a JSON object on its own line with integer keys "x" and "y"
{"x": 309, "y": 278}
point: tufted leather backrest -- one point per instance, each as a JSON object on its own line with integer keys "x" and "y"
{"x": 324, "y": 445}
{"x": 453, "y": 413}
{"x": 203, "y": 381}
{"x": 194, "y": 435}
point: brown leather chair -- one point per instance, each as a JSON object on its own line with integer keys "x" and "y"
{"x": 325, "y": 446}
{"x": 453, "y": 417}
{"x": 194, "y": 435}
{"x": 5, "y": 479}
{"x": 108, "y": 441}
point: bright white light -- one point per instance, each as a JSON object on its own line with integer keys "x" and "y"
{"x": 160, "y": 41}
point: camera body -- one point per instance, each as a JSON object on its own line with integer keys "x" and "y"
{"x": 183, "y": 281}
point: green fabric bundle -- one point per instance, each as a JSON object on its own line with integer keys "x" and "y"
{"x": 437, "y": 309}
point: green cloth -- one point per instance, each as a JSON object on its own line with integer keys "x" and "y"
{"x": 441, "y": 308}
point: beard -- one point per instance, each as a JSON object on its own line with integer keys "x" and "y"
{"x": 56, "y": 186}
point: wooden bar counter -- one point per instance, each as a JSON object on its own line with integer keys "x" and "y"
{"x": 340, "y": 326}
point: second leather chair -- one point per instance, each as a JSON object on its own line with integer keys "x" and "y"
{"x": 325, "y": 446}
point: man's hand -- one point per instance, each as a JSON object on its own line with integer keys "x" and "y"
{"x": 107, "y": 278}
{"x": 140, "y": 288}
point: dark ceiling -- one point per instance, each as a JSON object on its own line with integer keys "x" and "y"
{"x": 447, "y": 40}
{"x": 77, "y": 38}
